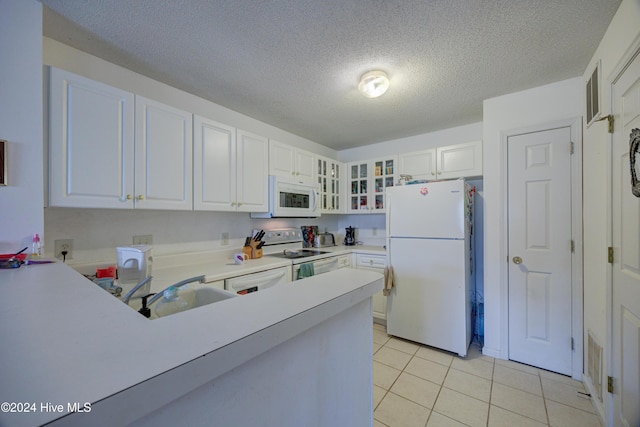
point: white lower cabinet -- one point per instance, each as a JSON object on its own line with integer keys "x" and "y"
{"x": 375, "y": 263}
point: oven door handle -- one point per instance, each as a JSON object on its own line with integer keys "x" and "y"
{"x": 321, "y": 263}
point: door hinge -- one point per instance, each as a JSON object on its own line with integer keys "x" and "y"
{"x": 573, "y": 344}
{"x": 611, "y": 121}
{"x": 610, "y": 384}
{"x": 610, "y": 255}
{"x": 573, "y": 246}
{"x": 571, "y": 147}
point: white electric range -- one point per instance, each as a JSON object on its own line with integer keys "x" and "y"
{"x": 287, "y": 243}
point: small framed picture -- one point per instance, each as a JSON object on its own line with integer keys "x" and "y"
{"x": 4, "y": 159}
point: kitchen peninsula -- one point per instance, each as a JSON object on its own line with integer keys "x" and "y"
{"x": 295, "y": 354}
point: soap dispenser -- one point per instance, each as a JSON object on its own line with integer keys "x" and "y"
{"x": 170, "y": 303}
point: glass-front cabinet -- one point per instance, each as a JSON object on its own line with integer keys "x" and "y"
{"x": 329, "y": 175}
{"x": 367, "y": 183}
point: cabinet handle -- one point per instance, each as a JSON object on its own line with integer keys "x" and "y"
{"x": 432, "y": 174}
{"x": 297, "y": 173}
{"x": 239, "y": 204}
{"x": 129, "y": 197}
{"x": 233, "y": 203}
{"x": 140, "y": 197}
{"x": 293, "y": 172}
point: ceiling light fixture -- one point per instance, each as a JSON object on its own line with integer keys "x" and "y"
{"x": 374, "y": 83}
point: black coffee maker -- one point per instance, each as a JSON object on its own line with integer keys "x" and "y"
{"x": 350, "y": 237}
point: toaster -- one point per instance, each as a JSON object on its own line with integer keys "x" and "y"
{"x": 322, "y": 240}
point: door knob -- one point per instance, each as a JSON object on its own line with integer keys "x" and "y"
{"x": 517, "y": 260}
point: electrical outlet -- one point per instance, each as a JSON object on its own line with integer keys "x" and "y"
{"x": 143, "y": 239}
{"x": 224, "y": 240}
{"x": 60, "y": 245}
{"x": 374, "y": 232}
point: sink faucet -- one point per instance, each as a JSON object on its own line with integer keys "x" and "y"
{"x": 127, "y": 297}
{"x": 178, "y": 285}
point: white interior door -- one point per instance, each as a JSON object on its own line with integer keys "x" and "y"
{"x": 626, "y": 243}
{"x": 539, "y": 165}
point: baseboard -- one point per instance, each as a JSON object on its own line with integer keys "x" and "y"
{"x": 597, "y": 404}
{"x": 493, "y": 352}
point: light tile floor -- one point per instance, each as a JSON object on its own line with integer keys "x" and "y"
{"x": 416, "y": 385}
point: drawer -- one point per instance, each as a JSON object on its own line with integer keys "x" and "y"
{"x": 375, "y": 261}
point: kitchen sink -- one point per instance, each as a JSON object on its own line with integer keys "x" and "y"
{"x": 196, "y": 296}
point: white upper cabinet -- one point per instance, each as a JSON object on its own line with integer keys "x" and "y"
{"x": 214, "y": 166}
{"x": 290, "y": 162}
{"x": 230, "y": 168}
{"x": 163, "y": 156}
{"x": 252, "y": 186}
{"x": 418, "y": 164}
{"x": 112, "y": 149}
{"x": 459, "y": 161}
{"x": 91, "y": 143}
{"x": 367, "y": 183}
{"x": 447, "y": 162}
{"x": 330, "y": 175}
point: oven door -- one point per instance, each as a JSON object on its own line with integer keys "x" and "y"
{"x": 325, "y": 265}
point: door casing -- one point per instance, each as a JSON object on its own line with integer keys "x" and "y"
{"x": 575, "y": 123}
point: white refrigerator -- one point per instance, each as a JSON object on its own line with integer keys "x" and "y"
{"x": 430, "y": 247}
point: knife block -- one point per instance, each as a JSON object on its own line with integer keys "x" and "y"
{"x": 252, "y": 251}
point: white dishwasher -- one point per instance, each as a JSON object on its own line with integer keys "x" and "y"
{"x": 258, "y": 281}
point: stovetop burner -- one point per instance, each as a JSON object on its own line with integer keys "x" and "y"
{"x": 297, "y": 253}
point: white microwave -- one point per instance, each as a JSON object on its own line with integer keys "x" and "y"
{"x": 291, "y": 199}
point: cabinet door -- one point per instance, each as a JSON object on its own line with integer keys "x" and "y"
{"x": 384, "y": 177}
{"x": 375, "y": 263}
{"x": 252, "y": 172}
{"x": 214, "y": 166}
{"x": 461, "y": 160}
{"x": 418, "y": 164}
{"x": 337, "y": 169}
{"x": 304, "y": 169}
{"x": 164, "y": 160}
{"x": 91, "y": 143}
{"x": 358, "y": 187}
{"x": 282, "y": 159}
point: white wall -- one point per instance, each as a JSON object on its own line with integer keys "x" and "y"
{"x": 621, "y": 38}
{"x": 97, "y": 232}
{"x": 21, "y": 202}
{"x": 528, "y": 108}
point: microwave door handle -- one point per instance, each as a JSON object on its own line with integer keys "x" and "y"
{"x": 315, "y": 200}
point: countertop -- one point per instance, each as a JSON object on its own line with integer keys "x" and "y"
{"x": 171, "y": 269}
{"x": 65, "y": 340}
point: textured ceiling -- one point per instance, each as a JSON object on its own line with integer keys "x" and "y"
{"x": 295, "y": 64}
